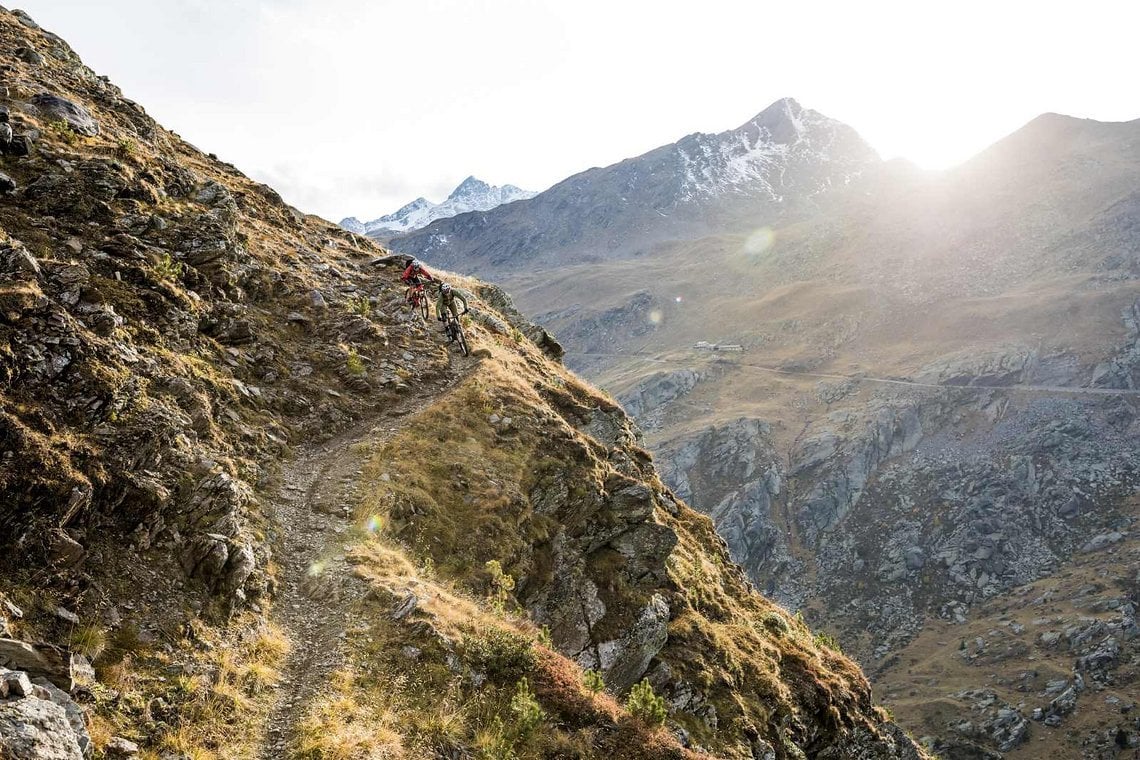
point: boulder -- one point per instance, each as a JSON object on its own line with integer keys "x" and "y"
{"x": 37, "y": 729}
{"x": 7, "y": 184}
{"x": 21, "y": 145}
{"x": 76, "y": 116}
{"x": 119, "y": 748}
{"x": 73, "y": 712}
{"x": 41, "y": 661}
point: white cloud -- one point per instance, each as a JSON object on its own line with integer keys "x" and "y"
{"x": 355, "y": 107}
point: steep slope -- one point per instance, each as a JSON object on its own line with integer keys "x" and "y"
{"x": 282, "y": 519}
{"x": 769, "y": 168}
{"x": 470, "y": 195}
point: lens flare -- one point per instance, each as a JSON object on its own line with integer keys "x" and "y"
{"x": 316, "y": 569}
{"x": 655, "y": 317}
{"x": 759, "y": 241}
{"x": 373, "y": 524}
{"x": 678, "y": 299}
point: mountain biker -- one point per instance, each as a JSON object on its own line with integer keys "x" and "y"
{"x": 414, "y": 277}
{"x": 447, "y": 298}
{"x": 415, "y": 274}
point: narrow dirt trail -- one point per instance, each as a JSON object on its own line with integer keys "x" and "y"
{"x": 314, "y": 504}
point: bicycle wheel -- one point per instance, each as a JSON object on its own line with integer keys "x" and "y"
{"x": 424, "y": 307}
{"x": 462, "y": 340}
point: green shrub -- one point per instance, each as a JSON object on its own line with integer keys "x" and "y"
{"x": 593, "y": 681}
{"x": 645, "y": 705}
{"x": 827, "y": 640}
{"x": 501, "y": 654}
{"x": 168, "y": 268}
{"x": 502, "y": 585}
{"x": 88, "y": 640}
{"x": 126, "y": 147}
{"x": 776, "y": 623}
{"x": 360, "y": 305}
{"x": 353, "y": 363}
{"x": 528, "y": 714}
{"x": 63, "y": 131}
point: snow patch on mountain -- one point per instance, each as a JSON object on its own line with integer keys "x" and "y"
{"x": 471, "y": 195}
{"x": 755, "y": 156}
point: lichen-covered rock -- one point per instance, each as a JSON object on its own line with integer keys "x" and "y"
{"x": 73, "y": 114}
{"x": 36, "y": 729}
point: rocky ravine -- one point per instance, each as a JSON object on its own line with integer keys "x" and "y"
{"x": 176, "y": 344}
{"x": 897, "y": 508}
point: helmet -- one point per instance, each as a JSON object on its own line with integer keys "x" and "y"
{"x": 415, "y": 264}
{"x": 445, "y": 288}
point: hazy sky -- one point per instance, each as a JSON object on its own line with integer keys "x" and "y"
{"x": 354, "y": 107}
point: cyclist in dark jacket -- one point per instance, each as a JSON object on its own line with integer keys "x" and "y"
{"x": 447, "y": 298}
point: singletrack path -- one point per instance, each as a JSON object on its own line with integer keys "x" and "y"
{"x": 314, "y": 505}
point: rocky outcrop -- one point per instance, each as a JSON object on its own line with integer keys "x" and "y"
{"x": 39, "y": 721}
{"x": 502, "y": 303}
{"x": 656, "y": 391}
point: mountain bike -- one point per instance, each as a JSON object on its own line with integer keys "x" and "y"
{"x": 417, "y": 298}
{"x": 455, "y": 332}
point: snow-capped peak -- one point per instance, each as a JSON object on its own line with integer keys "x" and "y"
{"x": 470, "y": 195}
{"x": 763, "y": 153}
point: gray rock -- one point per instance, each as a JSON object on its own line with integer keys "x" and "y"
{"x": 74, "y": 713}
{"x": 406, "y": 606}
{"x": 62, "y": 109}
{"x": 37, "y": 729}
{"x": 1102, "y": 541}
{"x": 119, "y": 748}
{"x": 7, "y": 184}
{"x": 14, "y": 683}
{"x": 40, "y": 661}
{"x": 624, "y": 661}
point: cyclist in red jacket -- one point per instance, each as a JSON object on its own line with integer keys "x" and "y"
{"x": 414, "y": 277}
{"x": 415, "y": 274}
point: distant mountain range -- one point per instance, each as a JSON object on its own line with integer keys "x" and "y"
{"x": 779, "y": 160}
{"x": 471, "y": 195}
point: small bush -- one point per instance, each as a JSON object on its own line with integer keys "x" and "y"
{"x": 593, "y": 681}
{"x": 827, "y": 640}
{"x": 645, "y": 705}
{"x": 528, "y": 714}
{"x": 360, "y": 305}
{"x": 495, "y": 743}
{"x": 353, "y": 363}
{"x": 63, "y": 131}
{"x": 502, "y": 584}
{"x": 126, "y": 147}
{"x": 501, "y": 654}
{"x": 776, "y": 623}
{"x": 544, "y": 637}
{"x": 168, "y": 268}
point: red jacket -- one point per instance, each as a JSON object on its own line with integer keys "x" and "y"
{"x": 412, "y": 276}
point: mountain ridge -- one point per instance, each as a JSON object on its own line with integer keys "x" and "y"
{"x": 469, "y": 195}
{"x": 693, "y": 184}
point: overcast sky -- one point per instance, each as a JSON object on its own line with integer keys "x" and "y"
{"x": 354, "y": 107}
